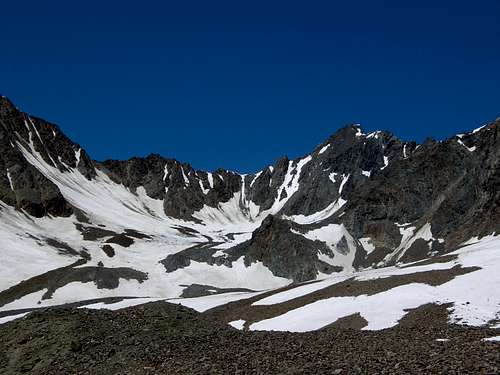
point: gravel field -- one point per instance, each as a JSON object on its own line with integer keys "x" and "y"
{"x": 162, "y": 338}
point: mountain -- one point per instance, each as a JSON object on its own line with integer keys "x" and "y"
{"x": 358, "y": 207}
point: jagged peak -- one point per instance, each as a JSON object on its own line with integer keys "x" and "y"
{"x": 357, "y": 131}
{"x": 5, "y": 101}
{"x": 351, "y": 129}
{"x": 354, "y": 133}
{"x": 486, "y": 127}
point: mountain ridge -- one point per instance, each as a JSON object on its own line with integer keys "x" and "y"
{"x": 357, "y": 201}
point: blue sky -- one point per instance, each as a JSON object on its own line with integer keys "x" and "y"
{"x": 237, "y": 84}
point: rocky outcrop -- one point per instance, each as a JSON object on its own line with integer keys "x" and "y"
{"x": 447, "y": 184}
{"x": 285, "y": 252}
{"x": 21, "y": 184}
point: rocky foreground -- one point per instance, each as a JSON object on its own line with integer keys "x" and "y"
{"x": 162, "y": 338}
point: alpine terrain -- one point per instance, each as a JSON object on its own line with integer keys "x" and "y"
{"x": 370, "y": 254}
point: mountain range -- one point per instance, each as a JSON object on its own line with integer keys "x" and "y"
{"x": 364, "y": 216}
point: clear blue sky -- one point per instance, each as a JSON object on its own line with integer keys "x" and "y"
{"x": 236, "y": 84}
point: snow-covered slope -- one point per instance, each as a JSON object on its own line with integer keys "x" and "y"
{"x": 472, "y": 302}
{"x": 359, "y": 205}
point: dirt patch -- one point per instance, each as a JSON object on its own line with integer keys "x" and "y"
{"x": 354, "y": 321}
{"x": 435, "y": 314}
{"x": 198, "y": 290}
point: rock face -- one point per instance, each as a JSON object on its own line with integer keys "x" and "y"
{"x": 182, "y": 189}
{"x": 447, "y": 184}
{"x": 285, "y": 253}
{"x": 398, "y": 200}
{"x": 21, "y": 184}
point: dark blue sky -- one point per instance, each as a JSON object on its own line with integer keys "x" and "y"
{"x": 236, "y": 84}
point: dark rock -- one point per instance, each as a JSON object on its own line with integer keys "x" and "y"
{"x": 285, "y": 253}
{"x": 27, "y": 188}
{"x": 109, "y": 250}
{"x": 76, "y": 346}
{"x": 198, "y": 290}
{"x": 121, "y": 240}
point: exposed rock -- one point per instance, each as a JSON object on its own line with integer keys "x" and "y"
{"x": 121, "y": 240}
{"x": 197, "y": 290}
{"x": 108, "y": 250}
{"x": 285, "y": 253}
{"x": 164, "y": 338}
{"x": 21, "y": 184}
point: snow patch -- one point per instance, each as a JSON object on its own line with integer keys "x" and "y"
{"x": 9, "y": 177}
{"x": 386, "y": 163}
{"x": 333, "y": 177}
{"x": 492, "y": 339}
{"x": 255, "y": 178}
{"x": 210, "y": 180}
{"x": 323, "y": 149}
{"x": 367, "y": 245}
{"x": 470, "y": 149}
{"x": 332, "y": 235}
{"x": 78, "y": 154}
{"x": 238, "y": 324}
{"x": 479, "y": 129}
{"x": 10, "y": 318}
{"x": 473, "y": 303}
{"x": 202, "y": 304}
{"x": 205, "y": 191}
{"x": 186, "y": 180}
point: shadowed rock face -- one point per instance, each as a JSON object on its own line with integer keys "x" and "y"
{"x": 451, "y": 185}
{"x": 442, "y": 183}
{"x": 285, "y": 253}
{"x": 21, "y": 184}
{"x": 182, "y": 189}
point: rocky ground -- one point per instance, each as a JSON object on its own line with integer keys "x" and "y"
{"x": 161, "y": 338}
